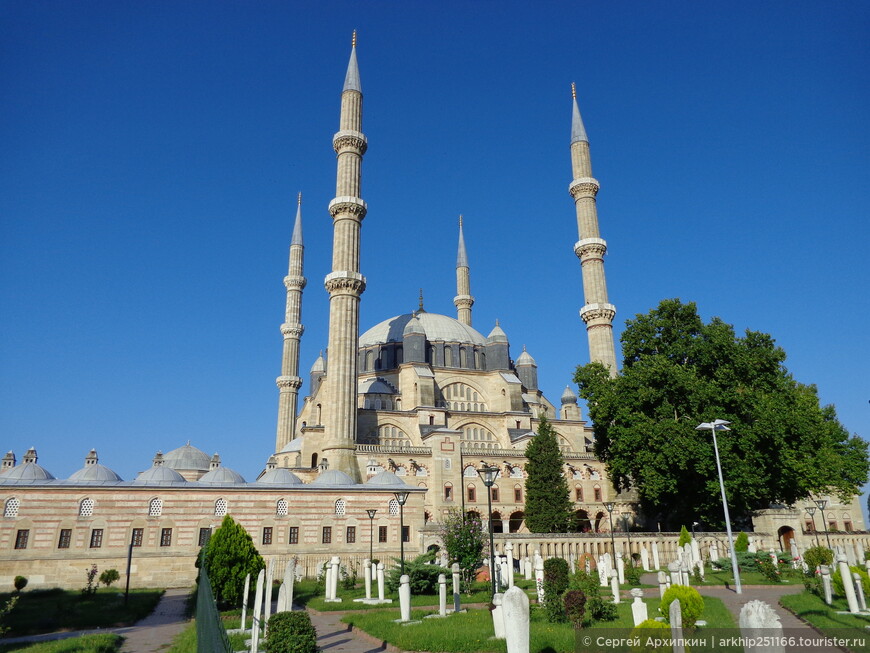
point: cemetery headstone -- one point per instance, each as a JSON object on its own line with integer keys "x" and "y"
{"x": 258, "y": 607}
{"x": 675, "y": 617}
{"x": 381, "y": 582}
{"x": 848, "y": 588}
{"x": 515, "y": 605}
{"x": 826, "y": 583}
{"x": 442, "y": 595}
{"x": 663, "y": 583}
{"x": 674, "y": 570}
{"x": 638, "y": 608}
{"x": 497, "y": 616}
{"x": 509, "y": 551}
{"x": 245, "y": 600}
{"x": 267, "y": 594}
{"x": 405, "y": 597}
{"x": 455, "y": 570}
{"x": 614, "y": 585}
{"x": 760, "y": 626}
{"x": 859, "y": 591}
{"x": 367, "y": 570}
{"x": 655, "y": 554}
{"x": 644, "y": 558}
{"x": 539, "y": 579}
{"x": 282, "y": 598}
{"x": 620, "y": 568}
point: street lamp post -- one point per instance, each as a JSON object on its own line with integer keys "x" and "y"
{"x": 822, "y": 503}
{"x": 402, "y": 498}
{"x": 811, "y": 511}
{"x": 625, "y": 516}
{"x": 371, "y": 513}
{"x": 610, "y": 505}
{"x": 488, "y": 476}
{"x": 722, "y": 425}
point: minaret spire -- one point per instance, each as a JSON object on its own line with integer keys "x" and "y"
{"x": 597, "y": 312}
{"x": 463, "y": 300}
{"x": 289, "y": 382}
{"x": 345, "y": 284}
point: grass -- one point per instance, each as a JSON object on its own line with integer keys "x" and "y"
{"x": 814, "y": 610}
{"x": 725, "y": 577}
{"x": 185, "y": 641}
{"x": 45, "y": 611}
{"x": 104, "y": 643}
{"x": 472, "y": 631}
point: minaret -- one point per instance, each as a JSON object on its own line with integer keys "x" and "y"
{"x": 345, "y": 284}
{"x": 597, "y": 313}
{"x": 289, "y": 382}
{"x": 463, "y": 300}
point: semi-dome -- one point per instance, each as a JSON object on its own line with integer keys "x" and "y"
{"x": 159, "y": 474}
{"x": 29, "y": 471}
{"x": 436, "y": 327}
{"x": 376, "y": 386}
{"x": 221, "y": 475}
{"x": 293, "y": 446}
{"x": 280, "y": 476}
{"x": 333, "y": 477}
{"x": 387, "y": 478}
{"x": 188, "y": 458}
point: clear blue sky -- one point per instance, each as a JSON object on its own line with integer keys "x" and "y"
{"x": 152, "y": 153}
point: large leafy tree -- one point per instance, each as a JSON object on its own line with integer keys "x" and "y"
{"x": 229, "y": 556}
{"x": 548, "y": 503}
{"x": 678, "y": 372}
{"x": 464, "y": 540}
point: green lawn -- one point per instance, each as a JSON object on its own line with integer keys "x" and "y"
{"x": 725, "y": 577}
{"x": 105, "y": 643}
{"x": 813, "y": 609}
{"x": 45, "y": 611}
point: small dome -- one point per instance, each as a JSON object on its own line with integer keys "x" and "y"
{"x": 414, "y": 326}
{"x": 187, "y": 458}
{"x": 293, "y": 446}
{"x": 496, "y": 335}
{"x": 386, "y": 478}
{"x": 159, "y": 474}
{"x": 319, "y": 364}
{"x": 280, "y": 476}
{"x": 436, "y": 327}
{"x": 525, "y": 358}
{"x": 95, "y": 473}
{"x": 568, "y": 397}
{"x": 28, "y": 471}
{"x": 221, "y": 475}
{"x": 376, "y": 386}
{"x": 333, "y": 477}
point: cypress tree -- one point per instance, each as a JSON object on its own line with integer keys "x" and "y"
{"x": 230, "y": 555}
{"x": 548, "y": 503}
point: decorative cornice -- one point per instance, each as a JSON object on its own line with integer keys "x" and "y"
{"x": 346, "y": 204}
{"x": 294, "y": 282}
{"x": 292, "y": 330}
{"x": 463, "y": 301}
{"x": 286, "y": 383}
{"x": 344, "y": 282}
{"x": 584, "y": 187}
{"x": 348, "y": 139}
{"x": 589, "y": 247}
{"x": 597, "y": 312}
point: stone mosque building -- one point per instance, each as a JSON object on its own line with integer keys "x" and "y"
{"x": 416, "y": 403}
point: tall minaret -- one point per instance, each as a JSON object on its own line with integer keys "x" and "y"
{"x": 345, "y": 284}
{"x": 463, "y": 300}
{"x": 597, "y": 313}
{"x": 289, "y": 382}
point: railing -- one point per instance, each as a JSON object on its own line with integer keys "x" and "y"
{"x": 386, "y": 448}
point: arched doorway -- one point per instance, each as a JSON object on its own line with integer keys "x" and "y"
{"x": 516, "y": 521}
{"x": 497, "y": 526}
{"x": 580, "y": 522}
{"x": 472, "y": 514}
{"x": 785, "y": 535}
{"x": 599, "y": 518}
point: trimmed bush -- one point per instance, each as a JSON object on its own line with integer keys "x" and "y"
{"x": 650, "y": 630}
{"x": 575, "y": 607}
{"x": 837, "y": 580}
{"x": 291, "y": 632}
{"x": 741, "y": 543}
{"x": 109, "y": 576}
{"x": 555, "y": 584}
{"x": 422, "y": 576}
{"x": 597, "y": 609}
{"x": 20, "y": 583}
{"x": 685, "y": 538}
{"x": 691, "y": 603}
{"x": 816, "y": 556}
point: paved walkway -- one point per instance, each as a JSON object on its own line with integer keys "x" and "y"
{"x": 333, "y": 636}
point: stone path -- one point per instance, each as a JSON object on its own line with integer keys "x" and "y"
{"x": 333, "y": 636}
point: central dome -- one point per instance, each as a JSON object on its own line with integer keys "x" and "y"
{"x": 437, "y": 327}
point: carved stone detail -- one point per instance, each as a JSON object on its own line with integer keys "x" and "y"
{"x": 590, "y": 247}
{"x": 354, "y": 206}
{"x": 597, "y": 312}
{"x": 584, "y": 187}
{"x": 345, "y": 283}
{"x": 348, "y": 139}
{"x": 463, "y": 301}
{"x": 294, "y": 282}
{"x": 292, "y": 330}
{"x": 287, "y": 382}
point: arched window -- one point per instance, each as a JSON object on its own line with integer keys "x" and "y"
{"x": 11, "y": 507}
{"x": 394, "y": 507}
{"x": 155, "y": 507}
{"x": 476, "y": 436}
{"x": 220, "y": 507}
{"x": 340, "y": 507}
{"x": 86, "y": 508}
{"x": 448, "y": 356}
{"x": 281, "y": 508}
{"x": 401, "y": 470}
{"x": 393, "y": 436}
{"x": 448, "y": 491}
{"x": 516, "y": 472}
{"x": 462, "y": 397}
{"x": 470, "y": 472}
{"x": 463, "y": 357}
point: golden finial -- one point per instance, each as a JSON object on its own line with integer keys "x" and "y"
{"x": 421, "y": 301}
{"x": 496, "y": 321}
{"x": 299, "y": 199}
{"x": 460, "y": 220}
{"x": 353, "y": 40}
{"x": 573, "y": 90}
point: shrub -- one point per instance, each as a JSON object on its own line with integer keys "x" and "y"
{"x": 632, "y": 575}
{"x": 348, "y": 578}
{"x": 817, "y": 556}
{"x": 651, "y": 630}
{"x": 91, "y": 575}
{"x": 422, "y": 576}
{"x": 229, "y": 556}
{"x": 742, "y": 542}
{"x": 575, "y": 607}
{"x": 291, "y": 632}
{"x": 555, "y": 584}
{"x": 464, "y": 539}
{"x": 20, "y": 583}
{"x": 768, "y": 569}
{"x": 837, "y": 581}
{"x": 813, "y": 585}
{"x": 109, "y": 576}
{"x": 691, "y": 603}
{"x": 685, "y": 538}
{"x": 597, "y": 609}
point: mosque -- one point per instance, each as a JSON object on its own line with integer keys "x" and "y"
{"x": 390, "y": 436}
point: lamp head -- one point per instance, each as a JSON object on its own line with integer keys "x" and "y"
{"x": 811, "y": 510}
{"x": 402, "y": 497}
{"x": 371, "y": 512}
{"x": 488, "y": 475}
{"x": 821, "y": 503}
{"x": 610, "y": 505}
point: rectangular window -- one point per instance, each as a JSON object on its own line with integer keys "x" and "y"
{"x": 137, "y": 536}
{"x": 847, "y": 526}
{"x": 808, "y": 527}
{"x": 495, "y": 494}
{"x": 327, "y": 535}
{"x": 382, "y": 534}
{"x": 597, "y": 493}
{"x": 832, "y": 525}
{"x": 204, "y": 536}
{"x": 578, "y": 493}
{"x": 518, "y": 495}
{"x": 471, "y": 494}
{"x": 351, "y": 534}
{"x": 294, "y": 535}
{"x": 21, "y": 538}
{"x": 65, "y": 538}
{"x": 406, "y": 533}
{"x": 448, "y": 493}
{"x": 96, "y": 538}
{"x": 267, "y": 534}
{"x": 165, "y": 537}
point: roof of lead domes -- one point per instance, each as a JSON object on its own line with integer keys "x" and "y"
{"x": 280, "y": 476}
{"x": 188, "y": 458}
{"x": 437, "y": 327}
{"x": 29, "y": 471}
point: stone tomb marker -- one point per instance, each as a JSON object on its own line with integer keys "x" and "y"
{"x": 614, "y": 585}
{"x": 848, "y": 587}
{"x": 539, "y": 579}
{"x": 663, "y": 583}
{"x": 759, "y": 622}
{"x": 455, "y": 571}
{"x": 655, "y": 555}
{"x": 675, "y": 616}
{"x": 497, "y": 616}
{"x": 639, "y": 610}
{"x": 515, "y": 605}
{"x": 826, "y": 583}
{"x": 644, "y": 558}
{"x": 859, "y": 591}
{"x": 245, "y": 600}
{"x": 258, "y": 606}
